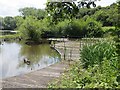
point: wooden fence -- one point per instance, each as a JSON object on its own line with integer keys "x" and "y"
{"x": 70, "y": 50}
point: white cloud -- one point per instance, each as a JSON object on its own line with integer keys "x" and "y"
{"x": 105, "y": 2}
{"x": 10, "y": 7}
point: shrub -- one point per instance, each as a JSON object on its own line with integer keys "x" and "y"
{"x": 61, "y": 27}
{"x": 79, "y": 28}
{"x": 93, "y": 28}
{"x": 101, "y": 70}
{"x": 30, "y": 29}
{"x": 104, "y": 75}
{"x": 33, "y": 29}
{"x": 94, "y": 54}
{"x": 72, "y": 28}
{"x": 75, "y": 28}
{"x": 98, "y": 76}
{"x": 109, "y": 31}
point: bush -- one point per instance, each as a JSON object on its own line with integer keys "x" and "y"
{"x": 95, "y": 54}
{"x": 109, "y": 31}
{"x": 79, "y": 28}
{"x": 30, "y": 29}
{"x": 93, "y": 28}
{"x": 72, "y": 28}
{"x": 61, "y": 27}
{"x": 33, "y": 29}
{"x": 99, "y": 76}
{"x": 101, "y": 70}
{"x": 75, "y": 29}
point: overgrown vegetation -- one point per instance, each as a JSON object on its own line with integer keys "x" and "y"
{"x": 30, "y": 29}
{"x": 97, "y": 69}
{"x": 79, "y": 24}
{"x": 76, "y": 29}
{"x": 99, "y": 66}
{"x": 96, "y": 53}
{"x": 9, "y": 37}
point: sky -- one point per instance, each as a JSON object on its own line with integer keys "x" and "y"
{"x": 11, "y": 7}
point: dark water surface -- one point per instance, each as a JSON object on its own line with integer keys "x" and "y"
{"x": 12, "y": 56}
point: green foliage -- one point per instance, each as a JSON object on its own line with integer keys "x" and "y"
{"x": 117, "y": 39}
{"x": 61, "y": 27}
{"x": 102, "y": 70}
{"x": 10, "y": 37}
{"x": 19, "y": 20}
{"x": 93, "y": 28}
{"x": 30, "y": 29}
{"x": 107, "y": 15}
{"x": 71, "y": 29}
{"x": 109, "y": 31}
{"x": 61, "y": 10}
{"x": 87, "y": 11}
{"x": 103, "y": 76}
{"x": 96, "y": 53}
{"x": 9, "y": 23}
{"x": 108, "y": 28}
{"x": 1, "y": 23}
{"x": 46, "y": 28}
{"x": 30, "y": 11}
{"x": 77, "y": 28}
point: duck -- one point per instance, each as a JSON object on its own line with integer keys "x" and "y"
{"x": 27, "y": 61}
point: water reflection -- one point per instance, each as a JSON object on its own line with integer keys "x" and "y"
{"x": 36, "y": 53}
{"x": 13, "y": 54}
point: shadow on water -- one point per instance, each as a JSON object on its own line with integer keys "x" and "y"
{"x": 14, "y": 53}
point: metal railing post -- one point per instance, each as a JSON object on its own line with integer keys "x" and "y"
{"x": 64, "y": 48}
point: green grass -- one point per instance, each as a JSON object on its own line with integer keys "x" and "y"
{"x": 108, "y": 28}
{"x": 101, "y": 72}
{"x": 10, "y": 36}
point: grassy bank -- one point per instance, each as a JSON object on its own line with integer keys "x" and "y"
{"x": 97, "y": 68}
{"x": 108, "y": 28}
{"x": 9, "y": 37}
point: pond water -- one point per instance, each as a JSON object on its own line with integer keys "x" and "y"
{"x": 12, "y": 55}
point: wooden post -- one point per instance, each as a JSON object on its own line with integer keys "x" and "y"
{"x": 71, "y": 54}
{"x": 80, "y": 44}
{"x": 64, "y": 48}
{"x": 54, "y": 44}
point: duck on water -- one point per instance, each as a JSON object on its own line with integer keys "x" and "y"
{"x": 27, "y": 61}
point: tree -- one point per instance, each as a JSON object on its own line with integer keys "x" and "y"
{"x": 9, "y": 23}
{"x": 102, "y": 16}
{"x": 118, "y": 31}
{"x": 30, "y": 11}
{"x": 19, "y": 20}
{"x": 61, "y": 10}
{"x": 1, "y": 23}
{"x": 41, "y": 14}
{"x": 31, "y": 29}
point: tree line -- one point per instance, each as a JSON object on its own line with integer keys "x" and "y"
{"x": 62, "y": 19}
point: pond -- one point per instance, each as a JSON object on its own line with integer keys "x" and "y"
{"x": 14, "y": 54}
